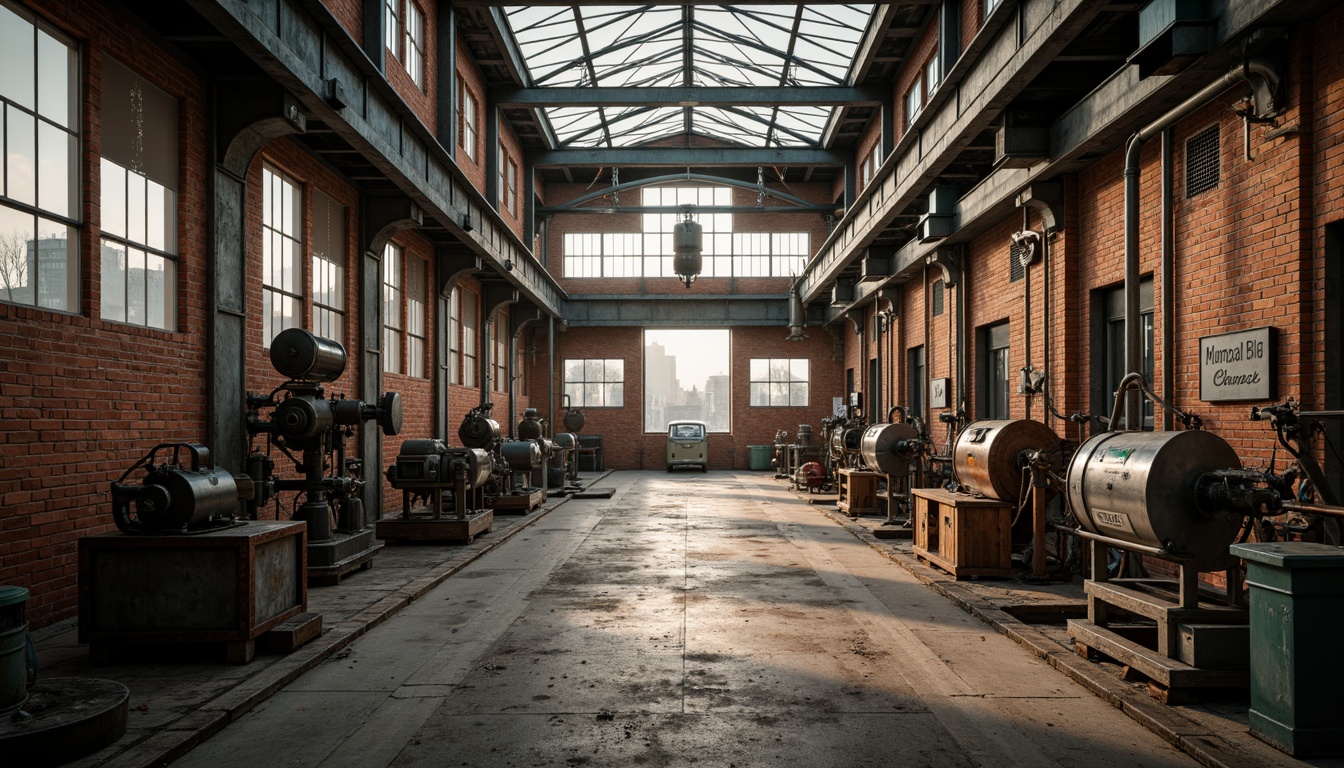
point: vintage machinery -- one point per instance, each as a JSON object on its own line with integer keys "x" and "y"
{"x": 304, "y": 421}
{"x": 1181, "y": 497}
{"x": 779, "y": 457}
{"x": 533, "y": 428}
{"x": 990, "y": 456}
{"x": 894, "y": 450}
{"x": 424, "y": 470}
{"x": 564, "y": 466}
{"x": 172, "y": 498}
{"x": 805, "y": 450}
{"x": 810, "y": 476}
{"x": 479, "y": 430}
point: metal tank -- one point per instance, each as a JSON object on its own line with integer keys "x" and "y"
{"x": 804, "y": 438}
{"x": 521, "y": 455}
{"x": 1141, "y": 488}
{"x": 531, "y": 427}
{"x": 428, "y": 463}
{"x": 989, "y": 455}
{"x": 889, "y": 448}
{"x": 479, "y": 431}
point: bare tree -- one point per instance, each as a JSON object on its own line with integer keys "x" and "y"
{"x": 14, "y": 265}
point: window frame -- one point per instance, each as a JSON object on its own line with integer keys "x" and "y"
{"x": 337, "y": 269}
{"x": 394, "y": 258}
{"x": 297, "y": 293}
{"x": 581, "y": 401}
{"x": 453, "y": 339}
{"x": 471, "y": 328}
{"x": 469, "y": 108}
{"x": 994, "y": 357}
{"x": 392, "y": 27}
{"x": 413, "y": 43}
{"x": 770, "y": 382}
{"x": 417, "y": 316}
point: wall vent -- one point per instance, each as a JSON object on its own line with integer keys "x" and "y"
{"x": 1016, "y": 270}
{"x": 1202, "y": 162}
{"x": 937, "y": 298}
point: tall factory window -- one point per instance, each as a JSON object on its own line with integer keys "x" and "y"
{"x": 416, "y": 323}
{"x": 392, "y": 26}
{"x": 914, "y": 371}
{"x": 508, "y": 182}
{"x": 138, "y": 199}
{"x": 466, "y": 103}
{"x": 39, "y": 168}
{"x": 1108, "y": 327}
{"x": 595, "y": 382}
{"x": 471, "y": 321}
{"x": 281, "y": 254}
{"x": 454, "y": 341}
{"x": 914, "y": 101}
{"x": 686, "y": 377}
{"x": 933, "y": 74}
{"x": 994, "y": 377}
{"x": 414, "y": 58}
{"x": 329, "y": 246}
{"x": 392, "y": 256}
{"x": 779, "y": 381}
{"x": 937, "y": 301}
{"x": 499, "y": 354}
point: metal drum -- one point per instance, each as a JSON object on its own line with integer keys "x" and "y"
{"x": 804, "y": 436}
{"x": 889, "y": 448}
{"x": 299, "y": 354}
{"x": 566, "y": 441}
{"x": 1140, "y": 487}
{"x": 521, "y": 455}
{"x": 988, "y": 455}
{"x": 479, "y": 431}
{"x": 530, "y": 427}
{"x": 429, "y": 463}
{"x": 574, "y": 420}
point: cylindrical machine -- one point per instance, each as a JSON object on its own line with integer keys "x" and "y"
{"x": 479, "y": 431}
{"x": 426, "y": 463}
{"x": 174, "y": 498}
{"x": 299, "y": 354}
{"x": 15, "y": 669}
{"x": 889, "y": 448}
{"x": 989, "y": 455}
{"x": 530, "y": 427}
{"x": 686, "y": 247}
{"x": 566, "y": 441}
{"x": 521, "y": 455}
{"x": 1140, "y": 487}
{"x": 574, "y": 420}
{"x": 804, "y": 435}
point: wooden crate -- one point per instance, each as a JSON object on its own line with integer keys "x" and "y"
{"x": 858, "y": 491}
{"x": 962, "y": 534}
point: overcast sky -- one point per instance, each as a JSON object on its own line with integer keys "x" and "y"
{"x": 700, "y": 353}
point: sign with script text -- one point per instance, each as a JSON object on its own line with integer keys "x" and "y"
{"x": 1238, "y": 366}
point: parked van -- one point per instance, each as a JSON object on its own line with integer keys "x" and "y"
{"x": 687, "y": 445}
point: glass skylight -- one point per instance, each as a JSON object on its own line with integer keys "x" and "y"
{"x": 707, "y": 46}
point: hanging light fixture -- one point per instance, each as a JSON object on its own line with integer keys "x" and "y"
{"x": 686, "y": 261}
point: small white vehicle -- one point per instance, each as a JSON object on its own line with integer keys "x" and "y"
{"x": 687, "y": 445}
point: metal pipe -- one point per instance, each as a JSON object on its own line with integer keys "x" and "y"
{"x": 961, "y": 337}
{"x": 1122, "y": 544}
{"x": 1168, "y": 283}
{"x": 797, "y": 314}
{"x": 1133, "y": 151}
{"x": 1026, "y": 305}
{"x": 1045, "y": 301}
{"x": 550, "y": 367}
{"x": 1314, "y": 509}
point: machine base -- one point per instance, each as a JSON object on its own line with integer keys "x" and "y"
{"x": 448, "y": 529}
{"x": 516, "y": 503}
{"x": 330, "y": 561}
{"x": 64, "y": 718}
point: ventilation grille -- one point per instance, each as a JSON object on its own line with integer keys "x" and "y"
{"x": 1202, "y": 168}
{"x": 937, "y": 298}
{"x": 1015, "y": 269}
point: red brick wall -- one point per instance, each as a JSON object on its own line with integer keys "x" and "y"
{"x": 913, "y": 69}
{"x": 86, "y": 398}
{"x": 422, "y": 99}
{"x": 1323, "y": 151}
{"x": 350, "y": 14}
{"x": 417, "y": 394}
{"x": 470, "y": 76}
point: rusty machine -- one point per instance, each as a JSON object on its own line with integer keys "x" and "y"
{"x": 1180, "y": 497}
{"x": 309, "y": 428}
{"x": 895, "y": 450}
{"x": 423, "y": 472}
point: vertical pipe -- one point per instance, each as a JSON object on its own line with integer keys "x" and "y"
{"x": 1048, "y": 325}
{"x": 1026, "y": 306}
{"x": 550, "y": 366}
{"x": 1168, "y": 284}
{"x": 1133, "y": 336}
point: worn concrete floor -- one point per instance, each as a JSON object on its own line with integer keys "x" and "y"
{"x": 689, "y": 620}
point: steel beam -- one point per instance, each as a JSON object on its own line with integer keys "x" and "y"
{"x": 693, "y": 96}
{"x": 681, "y": 311}
{"x": 677, "y": 157}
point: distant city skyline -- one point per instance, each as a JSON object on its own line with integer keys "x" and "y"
{"x": 686, "y": 377}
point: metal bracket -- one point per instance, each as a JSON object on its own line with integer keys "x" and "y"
{"x": 855, "y": 317}
{"x": 250, "y": 116}
{"x": 948, "y": 263}
{"x": 521, "y": 317}
{"x": 1047, "y": 199}
{"x": 454, "y": 265}
{"x": 386, "y": 216}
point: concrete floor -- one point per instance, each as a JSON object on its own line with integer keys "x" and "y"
{"x": 689, "y": 620}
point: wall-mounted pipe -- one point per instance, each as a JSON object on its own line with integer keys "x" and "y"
{"x": 1168, "y": 284}
{"x": 797, "y": 314}
{"x": 1264, "y": 80}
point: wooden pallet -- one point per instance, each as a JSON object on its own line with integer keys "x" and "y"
{"x": 516, "y": 503}
{"x": 452, "y": 530}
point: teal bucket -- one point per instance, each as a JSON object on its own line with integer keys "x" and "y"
{"x": 13, "y": 647}
{"x": 758, "y": 457}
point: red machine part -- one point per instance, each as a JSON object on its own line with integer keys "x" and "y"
{"x": 812, "y": 475}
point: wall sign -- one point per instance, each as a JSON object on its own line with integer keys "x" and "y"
{"x": 938, "y": 392}
{"x": 1238, "y": 366}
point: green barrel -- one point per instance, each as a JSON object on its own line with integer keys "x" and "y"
{"x": 1297, "y": 619}
{"x": 758, "y": 456}
{"x": 13, "y": 647}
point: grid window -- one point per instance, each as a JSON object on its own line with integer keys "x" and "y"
{"x": 500, "y": 363}
{"x": 415, "y": 44}
{"x": 471, "y": 321}
{"x": 933, "y": 73}
{"x": 583, "y": 255}
{"x": 470, "y": 128}
{"x": 508, "y": 182}
{"x": 39, "y": 168}
{"x": 621, "y": 255}
{"x": 595, "y": 383}
{"x": 779, "y": 382}
{"x": 914, "y": 101}
{"x": 392, "y": 26}
{"x": 392, "y": 295}
{"x": 1113, "y": 328}
{"x": 138, "y": 200}
{"x": 994, "y": 371}
{"x": 1202, "y": 166}
{"x": 329, "y": 246}
{"x": 281, "y": 251}
{"x": 914, "y": 358}
{"x": 454, "y": 340}
{"x": 416, "y": 324}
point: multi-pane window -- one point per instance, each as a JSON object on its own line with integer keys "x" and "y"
{"x": 392, "y": 294}
{"x": 500, "y": 354}
{"x": 414, "y": 55}
{"x": 595, "y": 383}
{"x": 914, "y": 389}
{"x": 39, "y": 167}
{"x": 470, "y": 128}
{"x": 933, "y": 74}
{"x": 454, "y": 340}
{"x": 392, "y": 26}
{"x": 914, "y": 100}
{"x": 1113, "y": 328}
{"x": 329, "y": 247}
{"x": 937, "y": 301}
{"x": 470, "y": 323}
{"x": 994, "y": 375}
{"x": 416, "y": 323}
{"x": 138, "y": 201}
{"x": 508, "y": 182}
{"x": 649, "y": 253}
{"x": 868, "y": 166}
{"x": 779, "y": 381}
{"x": 281, "y": 254}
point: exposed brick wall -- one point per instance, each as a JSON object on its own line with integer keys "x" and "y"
{"x": 423, "y": 98}
{"x": 350, "y": 14}
{"x": 84, "y": 398}
{"x": 469, "y": 76}
{"x": 417, "y": 394}
{"x": 912, "y": 70}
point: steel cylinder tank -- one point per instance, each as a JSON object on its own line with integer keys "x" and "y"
{"x": 889, "y": 448}
{"x": 479, "y": 464}
{"x": 299, "y": 354}
{"x": 804, "y": 435}
{"x": 521, "y": 455}
{"x": 1140, "y": 487}
{"x": 566, "y": 441}
{"x": 479, "y": 431}
{"x": 424, "y": 463}
{"x": 574, "y": 420}
{"x": 530, "y": 427}
{"x": 988, "y": 455}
